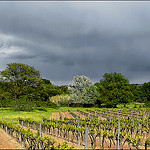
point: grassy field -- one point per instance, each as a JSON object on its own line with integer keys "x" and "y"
{"x": 37, "y": 113}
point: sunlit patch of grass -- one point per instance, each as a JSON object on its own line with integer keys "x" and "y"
{"x": 134, "y": 105}
{"x": 36, "y": 114}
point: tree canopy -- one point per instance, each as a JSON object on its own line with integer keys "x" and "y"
{"x": 90, "y": 96}
{"x": 24, "y": 80}
{"x": 114, "y": 89}
{"x": 146, "y": 93}
{"x": 18, "y": 71}
{"x": 77, "y": 88}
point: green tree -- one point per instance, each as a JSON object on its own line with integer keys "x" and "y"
{"x": 77, "y": 89}
{"x": 64, "y": 89}
{"x": 23, "y": 79}
{"x": 45, "y": 81}
{"x": 146, "y": 93}
{"x": 52, "y": 90}
{"x": 114, "y": 89}
{"x": 5, "y": 95}
{"x": 138, "y": 93}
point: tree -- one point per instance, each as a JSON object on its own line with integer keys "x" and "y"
{"x": 45, "y": 81}
{"x": 146, "y": 93}
{"x": 64, "y": 89}
{"x": 52, "y": 90}
{"x": 90, "y": 96}
{"x": 114, "y": 89}
{"x": 24, "y": 80}
{"x": 5, "y": 95}
{"x": 77, "y": 89}
{"x": 138, "y": 93}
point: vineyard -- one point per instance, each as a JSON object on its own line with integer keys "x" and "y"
{"x": 93, "y": 129}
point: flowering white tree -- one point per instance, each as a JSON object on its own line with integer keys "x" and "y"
{"x": 77, "y": 89}
{"x": 90, "y": 95}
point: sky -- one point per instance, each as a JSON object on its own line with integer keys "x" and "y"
{"x": 66, "y": 39}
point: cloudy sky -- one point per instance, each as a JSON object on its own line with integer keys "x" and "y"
{"x": 65, "y": 39}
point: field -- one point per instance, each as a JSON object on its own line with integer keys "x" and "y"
{"x": 121, "y": 128}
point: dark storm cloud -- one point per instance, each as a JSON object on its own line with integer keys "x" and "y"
{"x": 65, "y": 39}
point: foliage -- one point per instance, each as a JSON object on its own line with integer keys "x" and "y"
{"x": 23, "y": 80}
{"x": 52, "y": 90}
{"x": 138, "y": 94}
{"x": 77, "y": 89}
{"x": 146, "y": 93}
{"x": 46, "y": 104}
{"x": 148, "y": 141}
{"x": 63, "y": 101}
{"x": 90, "y": 96}
{"x": 23, "y": 104}
{"x": 45, "y": 81}
{"x": 5, "y": 95}
{"x": 21, "y": 83}
{"x": 114, "y": 89}
{"x": 57, "y": 98}
{"x": 24, "y": 84}
{"x": 64, "y": 89}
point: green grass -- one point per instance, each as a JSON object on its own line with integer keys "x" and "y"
{"x": 37, "y": 113}
{"x": 132, "y": 105}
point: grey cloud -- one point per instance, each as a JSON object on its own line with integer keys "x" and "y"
{"x": 67, "y": 39}
{"x": 22, "y": 56}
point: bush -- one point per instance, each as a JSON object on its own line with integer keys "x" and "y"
{"x": 52, "y": 104}
{"x": 63, "y": 101}
{"x": 147, "y": 103}
{"x": 135, "y": 105}
{"x": 46, "y": 104}
{"x": 57, "y": 98}
{"x": 6, "y": 103}
{"x": 41, "y": 109}
{"x": 23, "y": 104}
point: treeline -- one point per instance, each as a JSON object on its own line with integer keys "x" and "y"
{"x": 112, "y": 90}
{"x": 23, "y": 88}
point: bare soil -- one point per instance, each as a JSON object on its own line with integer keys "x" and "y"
{"x": 8, "y": 142}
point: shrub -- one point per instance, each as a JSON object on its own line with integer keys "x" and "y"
{"x": 52, "y": 104}
{"x": 23, "y": 104}
{"x": 46, "y": 104}
{"x": 41, "y": 109}
{"x": 147, "y": 103}
{"x": 135, "y": 105}
{"x": 56, "y": 99}
{"x": 63, "y": 101}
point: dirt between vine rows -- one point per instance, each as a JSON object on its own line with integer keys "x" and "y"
{"x": 8, "y": 142}
{"x": 68, "y": 115}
